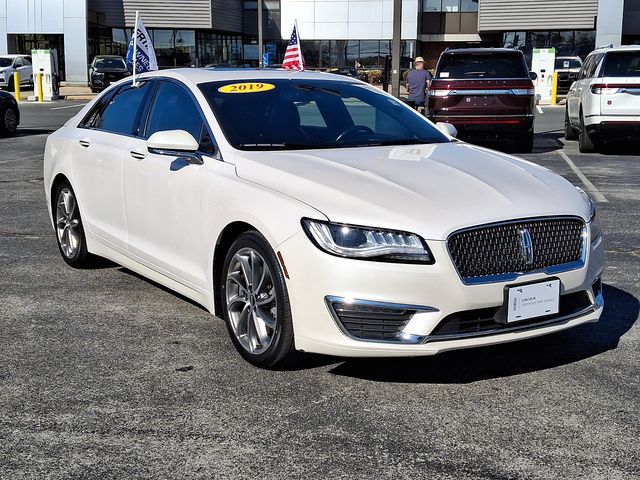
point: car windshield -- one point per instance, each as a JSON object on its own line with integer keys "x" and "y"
{"x": 622, "y": 64}
{"x": 110, "y": 63}
{"x": 482, "y": 65}
{"x": 285, "y": 114}
{"x": 5, "y": 62}
{"x": 562, "y": 63}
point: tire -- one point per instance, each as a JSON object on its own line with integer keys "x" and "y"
{"x": 569, "y": 132}
{"x": 8, "y": 120}
{"x": 70, "y": 235}
{"x": 585, "y": 142}
{"x": 258, "y": 318}
{"x": 524, "y": 143}
{"x": 10, "y": 84}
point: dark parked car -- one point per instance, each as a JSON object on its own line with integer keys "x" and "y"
{"x": 486, "y": 93}
{"x": 567, "y": 69}
{"x": 106, "y": 69}
{"x": 9, "y": 114}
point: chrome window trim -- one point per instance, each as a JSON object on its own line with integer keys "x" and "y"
{"x": 408, "y": 339}
{"x": 511, "y": 276}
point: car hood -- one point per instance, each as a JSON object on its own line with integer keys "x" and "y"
{"x": 3, "y": 69}
{"x": 431, "y": 190}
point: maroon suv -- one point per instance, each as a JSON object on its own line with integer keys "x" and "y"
{"x": 486, "y": 93}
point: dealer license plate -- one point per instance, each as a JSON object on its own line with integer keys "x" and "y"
{"x": 533, "y": 300}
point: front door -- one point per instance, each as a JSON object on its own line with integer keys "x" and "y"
{"x": 163, "y": 193}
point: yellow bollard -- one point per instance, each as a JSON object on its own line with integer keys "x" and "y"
{"x": 39, "y": 82}
{"x": 554, "y": 88}
{"x": 16, "y": 85}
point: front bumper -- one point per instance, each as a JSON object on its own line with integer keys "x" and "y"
{"x": 316, "y": 276}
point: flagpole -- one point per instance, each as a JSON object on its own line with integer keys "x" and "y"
{"x": 295, "y": 22}
{"x": 135, "y": 48}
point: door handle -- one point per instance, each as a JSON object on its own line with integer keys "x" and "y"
{"x": 84, "y": 143}
{"x": 137, "y": 155}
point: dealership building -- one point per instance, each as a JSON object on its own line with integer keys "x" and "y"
{"x": 334, "y": 33}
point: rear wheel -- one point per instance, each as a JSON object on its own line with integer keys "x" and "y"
{"x": 569, "y": 132}
{"x": 8, "y": 120}
{"x": 69, "y": 229}
{"x": 255, "y": 303}
{"x": 585, "y": 142}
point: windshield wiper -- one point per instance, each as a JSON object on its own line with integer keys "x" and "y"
{"x": 407, "y": 141}
{"x": 276, "y": 146}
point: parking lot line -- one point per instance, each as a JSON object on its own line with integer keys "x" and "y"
{"x": 539, "y": 109}
{"x": 591, "y": 188}
{"x": 69, "y": 106}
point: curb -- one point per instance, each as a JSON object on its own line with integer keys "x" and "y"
{"x": 78, "y": 97}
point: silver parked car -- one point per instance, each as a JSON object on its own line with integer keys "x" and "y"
{"x": 9, "y": 64}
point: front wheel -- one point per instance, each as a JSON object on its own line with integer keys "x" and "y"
{"x": 256, "y": 303}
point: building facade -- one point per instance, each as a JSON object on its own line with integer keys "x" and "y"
{"x": 334, "y": 33}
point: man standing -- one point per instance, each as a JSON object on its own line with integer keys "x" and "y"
{"x": 417, "y": 83}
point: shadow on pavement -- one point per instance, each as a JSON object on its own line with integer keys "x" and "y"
{"x": 472, "y": 365}
{"x": 27, "y": 131}
{"x": 544, "y": 142}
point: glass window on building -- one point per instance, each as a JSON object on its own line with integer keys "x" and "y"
{"x": 468, "y": 5}
{"x": 585, "y": 42}
{"x": 562, "y": 42}
{"x": 185, "y": 41}
{"x": 370, "y": 53}
{"x": 450, "y": 5}
{"x": 163, "y": 43}
{"x": 432, "y": 5}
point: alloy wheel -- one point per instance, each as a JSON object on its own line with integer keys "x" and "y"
{"x": 251, "y": 301}
{"x": 67, "y": 223}
{"x": 10, "y": 120}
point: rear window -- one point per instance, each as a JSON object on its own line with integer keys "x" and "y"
{"x": 622, "y": 64}
{"x": 567, "y": 63}
{"x": 482, "y": 65}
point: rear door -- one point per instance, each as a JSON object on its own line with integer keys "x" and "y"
{"x": 618, "y": 85}
{"x": 98, "y": 161}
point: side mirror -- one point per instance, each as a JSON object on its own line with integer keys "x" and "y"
{"x": 447, "y": 129}
{"x": 175, "y": 143}
{"x": 533, "y": 75}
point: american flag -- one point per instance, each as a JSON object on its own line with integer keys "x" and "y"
{"x": 293, "y": 56}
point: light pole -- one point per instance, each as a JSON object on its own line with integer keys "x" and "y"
{"x": 395, "y": 48}
{"x": 260, "y": 41}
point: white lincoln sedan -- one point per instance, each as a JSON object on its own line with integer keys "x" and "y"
{"x": 316, "y": 213}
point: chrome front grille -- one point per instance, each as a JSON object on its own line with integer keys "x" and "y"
{"x": 500, "y": 252}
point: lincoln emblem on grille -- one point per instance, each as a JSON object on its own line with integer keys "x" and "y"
{"x": 526, "y": 246}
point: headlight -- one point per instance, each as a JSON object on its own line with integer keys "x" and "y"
{"x": 596, "y": 232}
{"x": 98, "y": 74}
{"x": 367, "y": 243}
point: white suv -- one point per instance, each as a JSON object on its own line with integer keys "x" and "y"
{"x": 10, "y": 64}
{"x": 604, "y": 102}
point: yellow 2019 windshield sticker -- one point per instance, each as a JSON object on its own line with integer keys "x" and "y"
{"x": 251, "y": 87}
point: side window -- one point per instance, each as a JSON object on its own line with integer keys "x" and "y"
{"x": 122, "y": 113}
{"x": 27, "y": 60}
{"x": 596, "y": 62}
{"x": 585, "y": 68}
{"x": 174, "y": 109}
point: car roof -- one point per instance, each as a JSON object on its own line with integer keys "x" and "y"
{"x": 109, "y": 56}
{"x": 204, "y": 75}
{"x": 462, "y": 51}
{"x": 619, "y": 48}
{"x": 12, "y": 55}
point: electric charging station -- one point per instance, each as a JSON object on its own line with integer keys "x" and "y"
{"x": 45, "y": 62}
{"x": 543, "y": 64}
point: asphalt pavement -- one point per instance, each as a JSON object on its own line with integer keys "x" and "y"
{"x": 104, "y": 374}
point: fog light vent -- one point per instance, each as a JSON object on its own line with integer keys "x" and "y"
{"x": 373, "y": 321}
